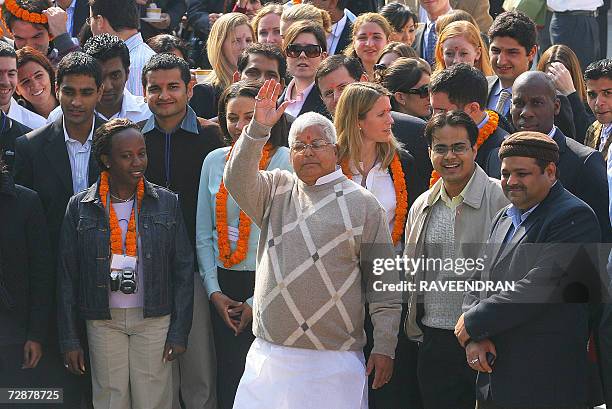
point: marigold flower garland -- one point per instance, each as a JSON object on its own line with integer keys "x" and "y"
{"x": 401, "y": 194}
{"x": 483, "y": 134}
{"x": 244, "y": 223}
{"x": 115, "y": 229}
{"x": 25, "y": 15}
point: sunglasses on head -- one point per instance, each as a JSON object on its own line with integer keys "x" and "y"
{"x": 422, "y": 92}
{"x": 311, "y": 50}
{"x": 380, "y": 67}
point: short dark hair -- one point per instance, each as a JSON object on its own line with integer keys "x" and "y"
{"x": 105, "y": 46}
{"x": 267, "y": 50}
{"x": 79, "y": 63}
{"x": 451, "y": 118}
{"x": 103, "y": 137}
{"x": 7, "y": 51}
{"x": 166, "y": 61}
{"x": 331, "y": 64}
{"x": 516, "y": 25}
{"x": 402, "y": 75}
{"x": 462, "y": 83}
{"x": 398, "y": 15}
{"x": 167, "y": 43}
{"x": 249, "y": 89}
{"x": 31, "y": 6}
{"x": 120, "y": 14}
{"x": 599, "y": 69}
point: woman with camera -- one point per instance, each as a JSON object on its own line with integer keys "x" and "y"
{"x": 126, "y": 268}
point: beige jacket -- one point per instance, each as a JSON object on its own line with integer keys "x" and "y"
{"x": 483, "y": 199}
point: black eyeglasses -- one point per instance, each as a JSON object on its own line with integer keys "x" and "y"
{"x": 422, "y": 92}
{"x": 311, "y": 50}
{"x": 380, "y": 67}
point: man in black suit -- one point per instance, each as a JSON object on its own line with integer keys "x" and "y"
{"x": 55, "y": 160}
{"x": 342, "y": 29}
{"x": 337, "y": 71}
{"x": 581, "y": 169}
{"x": 462, "y": 87}
{"x": 77, "y": 11}
{"x": 529, "y": 342}
{"x": 513, "y": 39}
{"x": 426, "y": 35}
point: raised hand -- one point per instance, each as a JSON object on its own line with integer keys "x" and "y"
{"x": 266, "y": 112}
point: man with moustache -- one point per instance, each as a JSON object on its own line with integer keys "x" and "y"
{"x": 582, "y": 170}
{"x": 598, "y": 79}
{"x": 176, "y": 147}
{"x": 337, "y": 71}
{"x": 538, "y": 327}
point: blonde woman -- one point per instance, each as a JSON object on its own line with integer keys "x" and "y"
{"x": 460, "y": 42}
{"x": 371, "y": 33}
{"x": 371, "y": 156}
{"x": 266, "y": 24}
{"x": 305, "y": 12}
{"x": 229, "y": 36}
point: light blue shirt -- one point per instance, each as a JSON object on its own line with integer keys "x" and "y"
{"x": 78, "y": 154}
{"x": 206, "y": 233}
{"x": 518, "y": 217}
{"x": 70, "y": 20}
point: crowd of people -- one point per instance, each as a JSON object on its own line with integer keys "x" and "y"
{"x": 173, "y": 239}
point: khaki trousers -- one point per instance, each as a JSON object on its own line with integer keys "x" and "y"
{"x": 194, "y": 373}
{"x": 126, "y": 361}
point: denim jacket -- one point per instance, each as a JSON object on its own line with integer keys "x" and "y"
{"x": 84, "y": 264}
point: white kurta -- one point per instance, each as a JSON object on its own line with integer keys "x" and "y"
{"x": 282, "y": 377}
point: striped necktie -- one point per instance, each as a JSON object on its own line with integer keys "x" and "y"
{"x": 504, "y": 95}
{"x": 432, "y": 38}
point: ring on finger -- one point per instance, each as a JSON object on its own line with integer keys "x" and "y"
{"x": 473, "y": 361}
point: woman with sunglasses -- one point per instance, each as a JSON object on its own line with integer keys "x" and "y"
{"x": 390, "y": 53}
{"x": 371, "y": 156}
{"x": 305, "y": 46}
{"x": 226, "y": 240}
{"x": 408, "y": 81}
{"x": 371, "y": 33}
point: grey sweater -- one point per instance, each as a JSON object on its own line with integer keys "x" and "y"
{"x": 309, "y": 287}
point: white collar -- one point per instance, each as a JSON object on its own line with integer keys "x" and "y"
{"x": 89, "y": 137}
{"x": 129, "y": 103}
{"x": 484, "y": 121}
{"x": 329, "y": 177}
{"x": 338, "y": 28}
{"x": 551, "y": 134}
{"x": 305, "y": 92}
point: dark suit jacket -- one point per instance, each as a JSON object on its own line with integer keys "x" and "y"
{"x": 42, "y": 164}
{"x": 583, "y": 172}
{"x": 564, "y": 120}
{"x": 540, "y": 337}
{"x": 409, "y": 130}
{"x": 415, "y": 182}
{"x": 488, "y": 154}
{"x": 205, "y": 100}
{"x": 346, "y": 37}
{"x": 81, "y": 13}
{"x": 313, "y": 102}
{"x": 419, "y": 39}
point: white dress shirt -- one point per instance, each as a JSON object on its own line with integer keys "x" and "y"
{"x": 380, "y": 184}
{"x": 79, "y": 158}
{"x": 24, "y": 116}
{"x": 132, "y": 107}
{"x": 296, "y": 104}
{"x": 334, "y": 37}
{"x": 573, "y": 5}
{"x": 140, "y": 54}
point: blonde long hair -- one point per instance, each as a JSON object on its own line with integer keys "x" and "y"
{"x": 272, "y": 8}
{"x": 223, "y": 28}
{"x": 356, "y": 101}
{"x": 307, "y": 12}
{"x": 468, "y": 31}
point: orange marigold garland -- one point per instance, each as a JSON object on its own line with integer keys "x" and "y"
{"x": 401, "y": 195}
{"x": 25, "y": 15}
{"x": 115, "y": 229}
{"x": 483, "y": 134}
{"x": 244, "y": 223}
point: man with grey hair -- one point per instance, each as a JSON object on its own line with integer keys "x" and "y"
{"x": 316, "y": 228}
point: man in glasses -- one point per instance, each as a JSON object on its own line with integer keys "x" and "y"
{"x": 463, "y": 189}
{"x": 308, "y": 306}
{"x": 337, "y": 71}
{"x": 464, "y": 88}
{"x": 306, "y": 48}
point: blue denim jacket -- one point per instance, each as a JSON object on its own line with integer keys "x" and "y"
{"x": 84, "y": 264}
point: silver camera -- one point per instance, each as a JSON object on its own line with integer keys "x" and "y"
{"x": 124, "y": 280}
